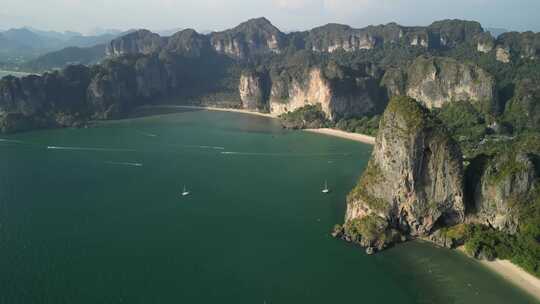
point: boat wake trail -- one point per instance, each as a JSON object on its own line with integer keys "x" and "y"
{"x": 124, "y": 164}
{"x": 88, "y": 149}
{"x": 11, "y": 141}
{"x": 284, "y": 154}
{"x": 207, "y": 147}
{"x": 147, "y": 134}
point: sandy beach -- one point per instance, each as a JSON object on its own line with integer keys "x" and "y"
{"x": 347, "y": 135}
{"x": 513, "y": 274}
{"x": 218, "y": 109}
{"x": 516, "y": 276}
{"x": 326, "y": 131}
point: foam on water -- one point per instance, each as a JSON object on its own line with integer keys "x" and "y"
{"x": 11, "y": 141}
{"x": 124, "y": 164}
{"x": 88, "y": 149}
{"x": 147, "y": 134}
{"x": 206, "y": 147}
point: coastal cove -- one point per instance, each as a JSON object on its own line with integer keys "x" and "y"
{"x": 104, "y": 221}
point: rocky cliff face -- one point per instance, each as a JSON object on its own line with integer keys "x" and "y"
{"x": 333, "y": 37}
{"x": 440, "y": 34}
{"x": 339, "y": 93}
{"x": 138, "y": 42}
{"x": 523, "y": 110}
{"x": 188, "y": 42}
{"x": 254, "y": 90}
{"x": 253, "y": 37}
{"x": 43, "y": 101}
{"x": 518, "y": 45}
{"x": 503, "y": 185}
{"x": 438, "y": 81}
{"x": 291, "y": 95}
{"x": 451, "y": 33}
{"x": 259, "y": 36}
{"x": 484, "y": 42}
{"x": 414, "y": 179}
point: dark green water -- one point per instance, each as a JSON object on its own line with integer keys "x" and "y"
{"x": 97, "y": 218}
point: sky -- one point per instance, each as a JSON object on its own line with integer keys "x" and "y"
{"x": 204, "y": 15}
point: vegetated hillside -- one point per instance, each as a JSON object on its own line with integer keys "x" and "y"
{"x": 64, "y": 57}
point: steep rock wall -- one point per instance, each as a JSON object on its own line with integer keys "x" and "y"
{"x": 414, "y": 179}
{"x": 435, "y": 81}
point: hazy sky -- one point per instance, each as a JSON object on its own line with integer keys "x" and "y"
{"x": 84, "y": 15}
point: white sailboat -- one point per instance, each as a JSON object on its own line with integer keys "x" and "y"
{"x": 325, "y": 190}
{"x": 185, "y": 192}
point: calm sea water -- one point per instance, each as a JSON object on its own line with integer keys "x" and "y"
{"x": 95, "y": 216}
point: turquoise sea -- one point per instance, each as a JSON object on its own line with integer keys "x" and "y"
{"x": 95, "y": 216}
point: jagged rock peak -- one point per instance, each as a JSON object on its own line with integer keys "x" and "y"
{"x": 257, "y": 24}
{"x": 414, "y": 179}
{"x": 188, "y": 42}
{"x": 137, "y": 42}
{"x": 252, "y": 37}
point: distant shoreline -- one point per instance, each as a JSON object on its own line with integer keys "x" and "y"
{"x": 4, "y": 73}
{"x": 216, "y": 109}
{"x": 366, "y": 139}
{"x": 513, "y": 274}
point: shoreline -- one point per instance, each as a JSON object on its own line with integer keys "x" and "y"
{"x": 511, "y": 273}
{"x": 208, "y": 108}
{"x": 366, "y": 139}
{"x": 515, "y": 275}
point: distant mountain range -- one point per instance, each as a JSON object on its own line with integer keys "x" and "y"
{"x": 22, "y": 44}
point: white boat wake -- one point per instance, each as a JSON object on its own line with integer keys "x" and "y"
{"x": 88, "y": 149}
{"x": 13, "y": 141}
{"x": 124, "y": 164}
{"x": 206, "y": 147}
{"x": 147, "y": 134}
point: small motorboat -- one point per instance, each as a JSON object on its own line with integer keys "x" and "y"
{"x": 185, "y": 192}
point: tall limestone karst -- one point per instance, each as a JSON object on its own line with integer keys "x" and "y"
{"x": 437, "y": 81}
{"x": 413, "y": 183}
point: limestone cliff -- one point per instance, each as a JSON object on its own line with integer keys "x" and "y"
{"x": 435, "y": 81}
{"x": 440, "y": 34}
{"x": 188, "y": 42}
{"x": 289, "y": 95}
{"x": 254, "y": 90}
{"x": 515, "y": 45}
{"x": 255, "y": 36}
{"x": 339, "y": 93}
{"x": 138, "y": 42}
{"x": 258, "y": 36}
{"x": 54, "y": 99}
{"x": 500, "y": 185}
{"x": 484, "y": 42}
{"x": 414, "y": 179}
{"x": 523, "y": 110}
